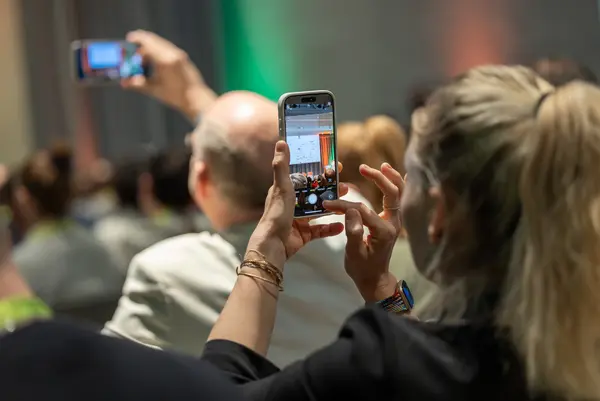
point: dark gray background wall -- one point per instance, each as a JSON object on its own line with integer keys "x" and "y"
{"x": 377, "y": 50}
{"x": 369, "y": 52}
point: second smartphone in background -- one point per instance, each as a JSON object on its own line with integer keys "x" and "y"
{"x": 100, "y": 62}
{"x": 307, "y": 124}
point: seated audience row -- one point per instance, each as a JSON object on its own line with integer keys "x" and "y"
{"x": 154, "y": 203}
{"x": 78, "y": 272}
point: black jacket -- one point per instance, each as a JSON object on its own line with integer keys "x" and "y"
{"x": 56, "y": 361}
{"x": 381, "y": 356}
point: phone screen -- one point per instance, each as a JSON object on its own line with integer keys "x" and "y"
{"x": 106, "y": 61}
{"x": 310, "y": 134}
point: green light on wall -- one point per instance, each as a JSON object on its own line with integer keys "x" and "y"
{"x": 257, "y": 54}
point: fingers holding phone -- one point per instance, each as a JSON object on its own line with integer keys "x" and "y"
{"x": 391, "y": 184}
{"x": 175, "y": 79}
{"x": 147, "y": 63}
{"x": 367, "y": 260}
{"x": 277, "y": 235}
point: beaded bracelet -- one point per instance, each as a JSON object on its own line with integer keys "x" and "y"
{"x": 402, "y": 302}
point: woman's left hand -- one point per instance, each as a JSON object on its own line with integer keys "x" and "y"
{"x": 367, "y": 260}
{"x": 278, "y": 235}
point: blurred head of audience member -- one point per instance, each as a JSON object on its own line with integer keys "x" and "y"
{"x": 232, "y": 153}
{"x": 153, "y": 199}
{"x": 126, "y": 183}
{"x": 418, "y": 95}
{"x": 92, "y": 197}
{"x": 560, "y": 71}
{"x": 97, "y": 177}
{"x": 377, "y": 140}
{"x": 167, "y": 180}
{"x": 41, "y": 189}
{"x": 61, "y": 261}
{"x": 501, "y": 206}
{"x": 154, "y": 185}
{"x": 416, "y": 100}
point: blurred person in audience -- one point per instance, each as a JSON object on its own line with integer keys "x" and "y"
{"x": 373, "y": 142}
{"x": 175, "y": 290}
{"x": 93, "y": 198}
{"x": 153, "y": 203}
{"x": 377, "y": 140}
{"x": 417, "y": 98}
{"x": 8, "y": 200}
{"x": 561, "y": 71}
{"x": 62, "y": 262}
{"x": 170, "y": 203}
{"x": 501, "y": 209}
{"x": 126, "y": 230}
{"x": 47, "y": 360}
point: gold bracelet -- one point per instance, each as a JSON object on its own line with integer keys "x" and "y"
{"x": 276, "y": 276}
{"x": 261, "y": 264}
{"x": 265, "y": 266}
{"x": 257, "y": 277}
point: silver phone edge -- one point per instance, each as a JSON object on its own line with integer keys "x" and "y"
{"x": 282, "y": 136}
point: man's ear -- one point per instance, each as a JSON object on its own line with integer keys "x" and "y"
{"x": 201, "y": 176}
{"x": 438, "y": 215}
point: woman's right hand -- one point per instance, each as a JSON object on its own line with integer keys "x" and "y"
{"x": 367, "y": 260}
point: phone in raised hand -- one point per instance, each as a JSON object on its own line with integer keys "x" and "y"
{"x": 103, "y": 61}
{"x": 307, "y": 124}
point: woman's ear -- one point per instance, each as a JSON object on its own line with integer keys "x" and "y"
{"x": 438, "y": 214}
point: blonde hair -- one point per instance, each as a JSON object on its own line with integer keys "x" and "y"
{"x": 521, "y": 158}
{"x": 377, "y": 140}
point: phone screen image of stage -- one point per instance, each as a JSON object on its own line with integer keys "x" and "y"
{"x": 313, "y": 168}
{"x": 109, "y": 61}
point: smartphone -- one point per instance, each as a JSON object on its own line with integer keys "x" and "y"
{"x": 101, "y": 62}
{"x": 307, "y": 124}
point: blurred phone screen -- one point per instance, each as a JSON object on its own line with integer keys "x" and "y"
{"x": 107, "y": 61}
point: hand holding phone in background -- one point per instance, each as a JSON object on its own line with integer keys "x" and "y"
{"x": 156, "y": 68}
{"x": 175, "y": 80}
{"x": 106, "y": 61}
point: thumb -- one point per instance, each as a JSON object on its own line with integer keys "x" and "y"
{"x": 281, "y": 165}
{"x": 354, "y": 229}
{"x": 138, "y": 83}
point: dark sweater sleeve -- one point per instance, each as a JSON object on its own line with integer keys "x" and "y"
{"x": 357, "y": 365}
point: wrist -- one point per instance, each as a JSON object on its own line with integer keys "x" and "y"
{"x": 199, "y": 99}
{"x": 375, "y": 291}
{"x": 272, "y": 250}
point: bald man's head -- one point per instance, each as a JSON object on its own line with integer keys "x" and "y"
{"x": 236, "y": 140}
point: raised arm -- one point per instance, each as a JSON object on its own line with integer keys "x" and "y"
{"x": 175, "y": 79}
{"x": 249, "y": 314}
